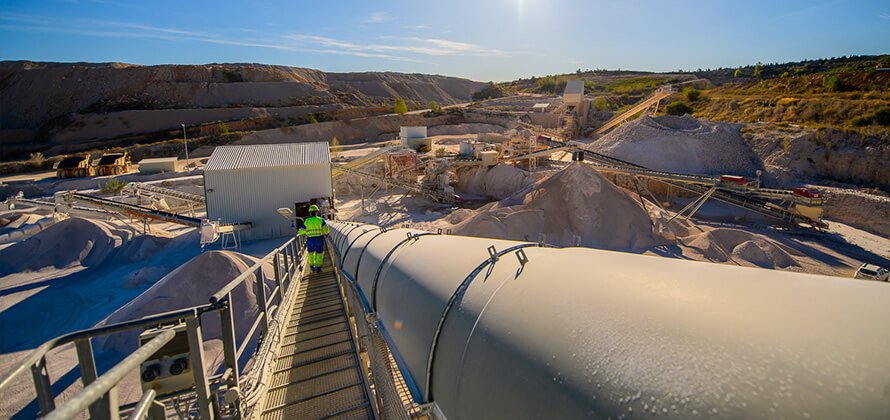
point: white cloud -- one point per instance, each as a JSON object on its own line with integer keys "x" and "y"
{"x": 885, "y": 16}
{"x": 394, "y": 48}
{"x": 376, "y": 17}
{"x": 410, "y": 45}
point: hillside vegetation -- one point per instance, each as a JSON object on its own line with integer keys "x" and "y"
{"x": 849, "y": 94}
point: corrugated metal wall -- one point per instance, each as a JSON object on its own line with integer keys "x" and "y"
{"x": 254, "y": 195}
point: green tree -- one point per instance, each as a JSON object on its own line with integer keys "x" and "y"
{"x": 758, "y": 69}
{"x": 435, "y": 107}
{"x": 832, "y": 83}
{"x": 600, "y": 104}
{"x": 677, "y": 108}
{"x": 222, "y": 128}
{"x": 334, "y": 141}
{"x": 491, "y": 90}
{"x": 113, "y": 186}
{"x": 691, "y": 94}
{"x": 400, "y": 107}
{"x": 738, "y": 73}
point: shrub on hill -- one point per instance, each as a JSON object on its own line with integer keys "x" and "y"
{"x": 691, "y": 94}
{"x": 677, "y": 108}
{"x": 490, "y": 91}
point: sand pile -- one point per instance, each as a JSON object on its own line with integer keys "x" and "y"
{"x": 192, "y": 284}
{"x": 498, "y": 182}
{"x": 723, "y": 244}
{"x": 576, "y": 201}
{"x": 71, "y": 242}
{"x": 681, "y": 144}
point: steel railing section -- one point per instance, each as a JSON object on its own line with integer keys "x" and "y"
{"x": 287, "y": 264}
{"x": 110, "y": 379}
{"x": 397, "y": 395}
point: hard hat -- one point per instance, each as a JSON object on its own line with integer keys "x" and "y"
{"x": 313, "y": 208}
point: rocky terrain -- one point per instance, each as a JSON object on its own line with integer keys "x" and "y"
{"x": 42, "y": 104}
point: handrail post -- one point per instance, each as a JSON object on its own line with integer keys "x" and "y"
{"x": 278, "y": 282}
{"x": 230, "y": 347}
{"x": 287, "y": 260}
{"x": 43, "y": 386}
{"x": 261, "y": 300}
{"x": 196, "y": 358}
{"x": 114, "y": 405}
{"x": 87, "y": 362}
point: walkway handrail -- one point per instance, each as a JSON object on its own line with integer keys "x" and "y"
{"x": 110, "y": 379}
{"x": 286, "y": 261}
{"x": 39, "y": 353}
{"x": 222, "y": 293}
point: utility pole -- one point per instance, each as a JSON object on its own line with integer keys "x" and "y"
{"x": 186, "y": 142}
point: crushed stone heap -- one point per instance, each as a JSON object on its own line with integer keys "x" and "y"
{"x": 576, "y": 201}
{"x": 681, "y": 144}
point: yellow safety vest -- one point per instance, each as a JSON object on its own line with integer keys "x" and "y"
{"x": 314, "y": 226}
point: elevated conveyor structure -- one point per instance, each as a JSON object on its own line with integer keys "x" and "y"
{"x": 434, "y": 195}
{"x": 150, "y": 190}
{"x": 753, "y": 199}
{"x": 366, "y": 159}
{"x": 486, "y": 328}
{"x": 639, "y": 107}
{"x": 134, "y": 210}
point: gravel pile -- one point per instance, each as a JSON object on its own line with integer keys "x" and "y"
{"x": 681, "y": 144}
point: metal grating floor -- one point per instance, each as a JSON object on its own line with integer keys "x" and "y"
{"x": 317, "y": 373}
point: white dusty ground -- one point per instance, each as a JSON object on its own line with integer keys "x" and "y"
{"x": 79, "y": 272}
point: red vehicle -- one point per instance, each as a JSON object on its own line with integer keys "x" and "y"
{"x": 807, "y": 193}
{"x": 734, "y": 179}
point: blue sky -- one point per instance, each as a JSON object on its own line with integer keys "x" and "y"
{"x": 481, "y": 39}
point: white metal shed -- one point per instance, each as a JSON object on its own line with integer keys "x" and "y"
{"x": 249, "y": 183}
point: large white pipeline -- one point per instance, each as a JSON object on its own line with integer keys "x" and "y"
{"x": 565, "y": 333}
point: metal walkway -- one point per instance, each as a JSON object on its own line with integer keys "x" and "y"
{"x": 317, "y": 373}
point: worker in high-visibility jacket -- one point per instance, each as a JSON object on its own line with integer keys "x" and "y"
{"x": 314, "y": 228}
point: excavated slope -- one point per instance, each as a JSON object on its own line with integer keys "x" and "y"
{"x": 36, "y": 98}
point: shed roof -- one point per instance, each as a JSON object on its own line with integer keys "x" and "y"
{"x": 158, "y": 160}
{"x": 574, "y": 86}
{"x": 268, "y": 156}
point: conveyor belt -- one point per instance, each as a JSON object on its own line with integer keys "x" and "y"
{"x": 141, "y": 188}
{"x": 317, "y": 373}
{"x": 639, "y": 107}
{"x": 413, "y": 187}
{"x": 700, "y": 184}
{"x": 137, "y": 211}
